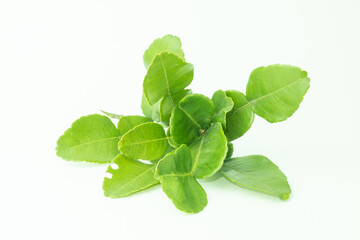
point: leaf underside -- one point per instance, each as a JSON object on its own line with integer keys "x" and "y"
{"x": 258, "y": 173}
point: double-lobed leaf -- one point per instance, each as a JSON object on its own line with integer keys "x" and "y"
{"x": 167, "y": 75}
{"x": 168, "y": 43}
{"x": 273, "y": 92}
{"x": 92, "y": 138}
{"x": 192, "y": 116}
{"x": 128, "y": 176}
{"x": 241, "y": 116}
{"x": 147, "y": 141}
{"x": 258, "y": 173}
{"x": 175, "y": 172}
{"x": 209, "y": 152}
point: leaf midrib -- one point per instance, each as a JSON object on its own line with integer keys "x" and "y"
{"x": 147, "y": 141}
{"x": 191, "y": 118}
{"x": 167, "y": 80}
{"x": 266, "y": 95}
{"x": 135, "y": 178}
{"x": 254, "y": 179}
{"x": 88, "y": 143}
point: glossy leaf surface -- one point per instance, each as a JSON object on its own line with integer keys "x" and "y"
{"x": 192, "y": 116}
{"x": 222, "y": 104}
{"x": 147, "y": 141}
{"x": 92, "y": 138}
{"x": 129, "y": 176}
{"x": 241, "y": 116}
{"x": 168, "y": 43}
{"x": 175, "y": 173}
{"x": 167, "y": 75}
{"x": 208, "y": 153}
{"x": 257, "y": 172}
{"x": 276, "y": 91}
{"x": 126, "y": 123}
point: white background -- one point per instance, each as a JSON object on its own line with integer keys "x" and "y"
{"x": 60, "y": 60}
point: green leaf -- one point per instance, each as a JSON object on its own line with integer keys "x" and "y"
{"x": 92, "y": 138}
{"x": 168, "y": 43}
{"x": 209, "y": 152}
{"x": 230, "y": 151}
{"x": 257, "y": 172}
{"x": 177, "y": 182}
{"x": 276, "y": 91}
{"x": 126, "y": 123}
{"x": 171, "y": 139}
{"x": 222, "y": 104}
{"x": 150, "y": 111}
{"x": 129, "y": 176}
{"x": 191, "y": 118}
{"x": 147, "y": 141}
{"x": 167, "y": 75}
{"x": 240, "y": 118}
{"x": 168, "y": 103}
{"x": 111, "y": 115}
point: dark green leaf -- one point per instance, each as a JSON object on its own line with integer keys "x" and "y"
{"x": 240, "y": 118}
{"x": 209, "y": 152}
{"x": 191, "y": 117}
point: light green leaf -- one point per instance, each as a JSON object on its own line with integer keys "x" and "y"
{"x": 126, "y": 123}
{"x": 276, "y": 91}
{"x": 111, "y": 115}
{"x": 222, "y": 104}
{"x": 147, "y": 141}
{"x": 128, "y": 177}
{"x": 169, "y": 102}
{"x": 167, "y": 75}
{"x": 240, "y": 118}
{"x": 150, "y": 111}
{"x": 175, "y": 173}
{"x": 168, "y": 43}
{"x": 92, "y": 138}
{"x": 257, "y": 172}
{"x": 192, "y": 117}
{"x": 209, "y": 152}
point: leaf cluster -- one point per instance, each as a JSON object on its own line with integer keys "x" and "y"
{"x": 185, "y": 136}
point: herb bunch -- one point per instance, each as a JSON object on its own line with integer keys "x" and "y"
{"x": 186, "y": 136}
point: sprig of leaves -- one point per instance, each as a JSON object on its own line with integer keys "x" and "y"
{"x": 186, "y": 136}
